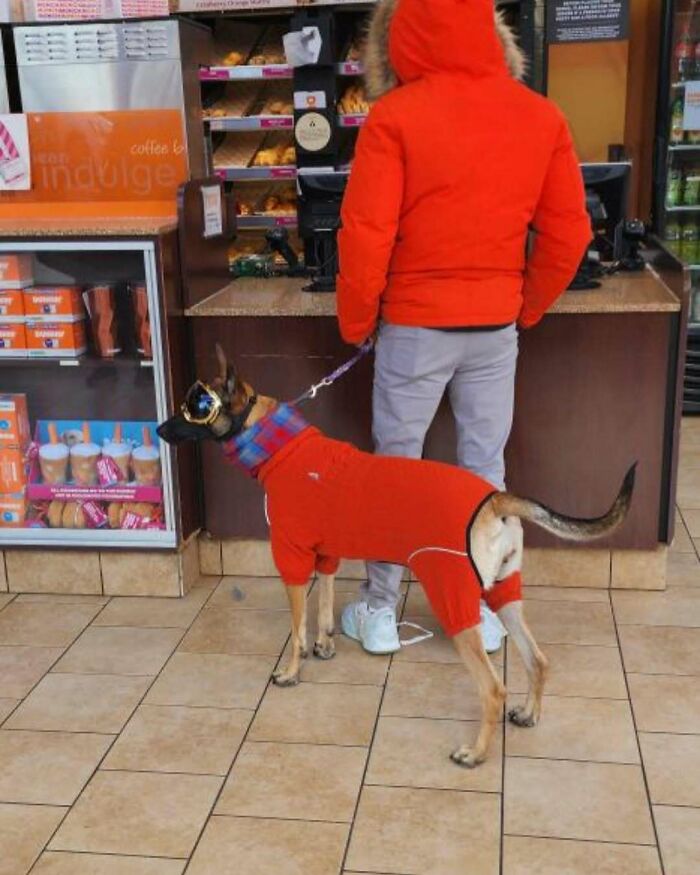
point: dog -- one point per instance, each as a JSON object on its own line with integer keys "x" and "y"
{"x": 327, "y": 500}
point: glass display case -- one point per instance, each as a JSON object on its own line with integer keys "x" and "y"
{"x": 82, "y": 388}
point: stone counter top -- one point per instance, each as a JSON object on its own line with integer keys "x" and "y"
{"x": 86, "y": 227}
{"x": 621, "y": 293}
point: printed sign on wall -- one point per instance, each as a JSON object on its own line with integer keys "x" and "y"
{"x": 14, "y": 153}
{"x": 587, "y": 21}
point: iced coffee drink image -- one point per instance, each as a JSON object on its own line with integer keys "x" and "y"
{"x": 83, "y": 459}
{"x": 120, "y": 452}
{"x": 53, "y": 458}
{"x": 146, "y": 461}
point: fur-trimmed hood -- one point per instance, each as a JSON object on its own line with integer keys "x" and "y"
{"x": 408, "y": 39}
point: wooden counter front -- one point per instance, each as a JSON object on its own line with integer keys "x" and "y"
{"x": 595, "y": 392}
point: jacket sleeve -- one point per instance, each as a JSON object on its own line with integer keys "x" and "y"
{"x": 562, "y": 233}
{"x": 370, "y": 218}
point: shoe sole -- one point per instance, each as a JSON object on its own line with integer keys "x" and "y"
{"x": 366, "y": 649}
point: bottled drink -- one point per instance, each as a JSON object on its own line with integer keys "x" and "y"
{"x": 684, "y": 57}
{"x": 674, "y": 187}
{"x": 691, "y": 188}
{"x": 672, "y": 235}
{"x": 689, "y": 242}
{"x": 677, "y": 131}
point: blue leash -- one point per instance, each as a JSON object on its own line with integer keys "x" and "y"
{"x": 311, "y": 392}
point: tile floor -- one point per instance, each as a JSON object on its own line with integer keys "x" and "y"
{"x": 141, "y": 737}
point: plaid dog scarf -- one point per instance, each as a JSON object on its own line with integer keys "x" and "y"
{"x": 253, "y": 447}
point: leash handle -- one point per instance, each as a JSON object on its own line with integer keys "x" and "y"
{"x": 331, "y": 378}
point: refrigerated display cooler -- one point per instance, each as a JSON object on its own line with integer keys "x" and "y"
{"x": 677, "y": 164}
{"x": 85, "y": 376}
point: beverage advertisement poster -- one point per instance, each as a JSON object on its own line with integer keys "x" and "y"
{"x": 15, "y": 174}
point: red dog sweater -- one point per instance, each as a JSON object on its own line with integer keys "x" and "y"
{"x": 328, "y": 500}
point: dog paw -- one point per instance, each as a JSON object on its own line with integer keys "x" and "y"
{"x": 520, "y": 717}
{"x": 324, "y": 651}
{"x": 282, "y": 679}
{"x": 465, "y": 757}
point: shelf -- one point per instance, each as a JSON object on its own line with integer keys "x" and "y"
{"x": 685, "y": 147}
{"x": 695, "y": 209}
{"x": 241, "y": 174}
{"x": 251, "y": 123}
{"x": 271, "y": 71}
{"x": 251, "y": 223}
{"x": 85, "y": 362}
{"x": 355, "y": 120}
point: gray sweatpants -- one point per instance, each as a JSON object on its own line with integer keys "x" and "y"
{"x": 413, "y": 367}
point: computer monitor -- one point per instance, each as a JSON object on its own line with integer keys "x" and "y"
{"x": 607, "y": 194}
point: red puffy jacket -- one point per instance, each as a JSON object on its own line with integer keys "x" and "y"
{"x": 451, "y": 171}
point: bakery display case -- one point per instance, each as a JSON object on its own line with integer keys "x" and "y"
{"x": 82, "y": 388}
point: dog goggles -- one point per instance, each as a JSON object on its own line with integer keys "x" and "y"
{"x": 201, "y": 405}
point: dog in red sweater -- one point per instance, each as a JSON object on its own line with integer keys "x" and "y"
{"x": 326, "y": 500}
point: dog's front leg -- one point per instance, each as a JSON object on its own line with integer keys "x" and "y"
{"x": 324, "y": 648}
{"x": 289, "y": 676}
{"x": 511, "y": 615}
{"x": 491, "y": 692}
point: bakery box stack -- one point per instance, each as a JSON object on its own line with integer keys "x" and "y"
{"x": 38, "y": 321}
{"x": 14, "y": 445}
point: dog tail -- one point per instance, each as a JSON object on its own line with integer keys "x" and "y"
{"x": 569, "y": 528}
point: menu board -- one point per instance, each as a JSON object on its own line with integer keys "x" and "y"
{"x": 587, "y": 21}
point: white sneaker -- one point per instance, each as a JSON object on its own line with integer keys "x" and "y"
{"x": 492, "y": 630}
{"x": 375, "y": 629}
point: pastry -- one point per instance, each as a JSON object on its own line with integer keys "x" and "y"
{"x": 55, "y": 514}
{"x": 73, "y": 516}
{"x": 265, "y": 158}
{"x": 232, "y": 59}
{"x": 278, "y": 107}
{"x": 287, "y": 155}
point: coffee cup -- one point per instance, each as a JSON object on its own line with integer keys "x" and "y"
{"x": 120, "y": 452}
{"x": 53, "y": 459}
{"x": 145, "y": 461}
{"x": 83, "y": 460}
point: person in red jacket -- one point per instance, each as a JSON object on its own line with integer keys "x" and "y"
{"x": 457, "y": 164}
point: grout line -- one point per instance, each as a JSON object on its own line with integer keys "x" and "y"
{"x": 639, "y": 746}
{"x": 109, "y": 747}
{"x": 112, "y": 854}
{"x": 520, "y": 835}
{"x": 675, "y": 805}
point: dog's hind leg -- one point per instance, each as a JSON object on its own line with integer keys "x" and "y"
{"x": 491, "y": 692}
{"x": 511, "y": 615}
{"x": 324, "y": 648}
{"x": 289, "y": 676}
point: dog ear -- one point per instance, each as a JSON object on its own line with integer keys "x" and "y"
{"x": 227, "y": 373}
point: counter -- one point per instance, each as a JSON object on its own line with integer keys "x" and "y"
{"x": 597, "y": 389}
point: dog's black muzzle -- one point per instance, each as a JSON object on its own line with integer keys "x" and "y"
{"x": 176, "y": 430}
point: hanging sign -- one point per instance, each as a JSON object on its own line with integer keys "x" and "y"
{"x": 587, "y": 21}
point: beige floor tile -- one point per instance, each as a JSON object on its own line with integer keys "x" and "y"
{"x": 688, "y": 490}
{"x": 430, "y": 690}
{"x": 120, "y": 650}
{"x": 558, "y": 799}
{"x": 212, "y": 680}
{"x": 679, "y": 838}
{"x": 7, "y": 706}
{"x": 80, "y": 703}
{"x": 565, "y": 594}
{"x": 414, "y": 752}
{"x": 161, "y": 738}
{"x": 439, "y": 648}
{"x": 210, "y": 556}
{"x": 669, "y": 763}
{"x": 342, "y": 714}
{"x": 351, "y": 665}
{"x": 144, "y": 814}
{"x": 247, "y": 558}
{"x": 250, "y": 593}
{"x": 683, "y": 570}
{"x": 5, "y": 597}
{"x": 534, "y": 856}
{"x": 50, "y": 598}
{"x": 227, "y": 631}
{"x": 154, "y": 612}
{"x": 54, "y": 571}
{"x": 44, "y": 625}
{"x": 675, "y": 607}
{"x": 24, "y": 830}
{"x": 665, "y": 703}
{"x": 294, "y": 781}
{"x": 691, "y": 519}
{"x": 596, "y": 730}
{"x": 682, "y": 543}
{"x": 47, "y": 768}
{"x": 569, "y": 623}
{"x": 65, "y": 863}
{"x": 574, "y": 670}
{"x": 639, "y": 569}
{"x": 22, "y": 667}
{"x": 660, "y": 649}
{"x": 253, "y": 846}
{"x": 426, "y": 832}
{"x": 567, "y": 566}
